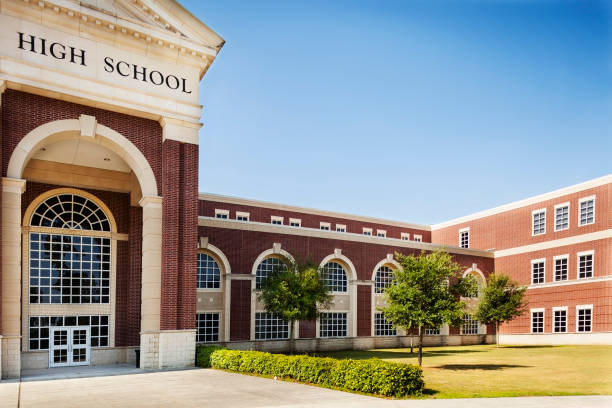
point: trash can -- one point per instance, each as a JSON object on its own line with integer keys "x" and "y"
{"x": 137, "y": 351}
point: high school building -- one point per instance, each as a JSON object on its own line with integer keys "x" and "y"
{"x": 106, "y": 246}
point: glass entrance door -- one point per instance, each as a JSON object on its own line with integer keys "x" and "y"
{"x": 69, "y": 346}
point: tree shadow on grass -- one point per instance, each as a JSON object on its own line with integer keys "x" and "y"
{"x": 486, "y": 367}
{"x": 527, "y": 347}
{"x": 430, "y": 392}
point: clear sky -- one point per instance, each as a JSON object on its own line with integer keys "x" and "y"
{"x": 418, "y": 111}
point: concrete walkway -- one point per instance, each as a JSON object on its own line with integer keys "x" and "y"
{"x": 211, "y": 388}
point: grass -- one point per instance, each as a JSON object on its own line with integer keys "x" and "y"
{"x": 485, "y": 371}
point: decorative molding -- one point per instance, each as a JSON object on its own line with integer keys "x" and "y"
{"x": 150, "y": 201}
{"x": 13, "y": 185}
{"x": 179, "y": 130}
{"x": 576, "y": 239}
{"x": 535, "y": 286}
{"x": 88, "y": 126}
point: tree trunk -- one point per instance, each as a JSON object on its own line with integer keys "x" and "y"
{"x": 291, "y": 338}
{"x": 421, "y": 333}
{"x": 497, "y": 334}
{"x": 411, "y": 345}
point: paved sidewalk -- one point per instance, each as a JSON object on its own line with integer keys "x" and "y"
{"x": 211, "y": 388}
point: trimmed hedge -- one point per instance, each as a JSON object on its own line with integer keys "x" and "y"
{"x": 203, "y": 355}
{"x": 371, "y": 376}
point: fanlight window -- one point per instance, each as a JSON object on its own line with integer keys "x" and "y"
{"x": 334, "y": 277}
{"x": 70, "y": 211}
{"x": 384, "y": 279}
{"x": 266, "y": 268}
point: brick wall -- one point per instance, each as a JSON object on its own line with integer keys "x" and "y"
{"x": 364, "y": 310}
{"x": 240, "y": 310}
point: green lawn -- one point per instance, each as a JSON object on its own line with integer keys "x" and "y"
{"x": 485, "y": 371}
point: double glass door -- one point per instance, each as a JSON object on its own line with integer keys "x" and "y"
{"x": 69, "y": 346}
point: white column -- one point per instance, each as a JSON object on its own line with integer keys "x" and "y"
{"x": 12, "y": 189}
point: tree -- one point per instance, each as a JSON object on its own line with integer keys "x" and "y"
{"x": 426, "y": 292}
{"x": 295, "y": 292}
{"x": 501, "y": 301}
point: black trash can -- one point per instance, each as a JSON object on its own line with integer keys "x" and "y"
{"x": 137, "y": 351}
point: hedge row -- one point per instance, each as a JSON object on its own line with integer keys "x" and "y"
{"x": 369, "y": 376}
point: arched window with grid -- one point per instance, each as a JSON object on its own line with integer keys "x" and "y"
{"x": 209, "y": 274}
{"x": 384, "y": 279}
{"x": 266, "y": 268}
{"x": 334, "y": 277}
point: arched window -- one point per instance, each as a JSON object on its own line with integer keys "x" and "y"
{"x": 70, "y": 267}
{"x": 265, "y": 268}
{"x": 334, "y": 277}
{"x": 384, "y": 278}
{"x": 209, "y": 274}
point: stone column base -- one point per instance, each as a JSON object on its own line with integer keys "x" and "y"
{"x": 10, "y": 360}
{"x": 167, "y": 349}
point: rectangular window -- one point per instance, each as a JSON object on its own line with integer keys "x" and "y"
{"x": 382, "y": 327}
{"x": 584, "y": 318}
{"x": 39, "y": 329}
{"x": 367, "y": 231}
{"x": 587, "y": 211}
{"x": 276, "y": 220}
{"x": 242, "y": 216}
{"x": 295, "y": 222}
{"x": 269, "y": 326}
{"x": 381, "y": 233}
{"x": 470, "y": 325}
{"x": 560, "y": 323}
{"x": 418, "y": 238}
{"x": 69, "y": 269}
{"x": 561, "y": 267}
{"x": 405, "y": 236}
{"x": 539, "y": 222}
{"x": 537, "y": 270}
{"x": 207, "y": 327}
{"x": 464, "y": 238}
{"x": 537, "y": 320}
{"x": 340, "y": 228}
{"x": 333, "y": 325}
{"x": 561, "y": 217}
{"x": 585, "y": 264}
{"x": 223, "y": 214}
{"x": 432, "y": 332}
{"x": 325, "y": 226}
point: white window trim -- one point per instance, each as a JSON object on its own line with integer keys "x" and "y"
{"x": 383, "y": 232}
{"x": 533, "y": 213}
{"x": 243, "y": 214}
{"x": 554, "y": 266}
{"x": 405, "y": 236}
{"x": 569, "y": 217}
{"x": 584, "y": 307}
{"x": 219, "y": 211}
{"x": 533, "y": 261}
{"x": 325, "y": 224}
{"x": 466, "y": 229}
{"x": 560, "y": 309}
{"x": 277, "y": 218}
{"x": 537, "y": 310}
{"x": 364, "y": 230}
{"x": 417, "y": 238}
{"x": 340, "y": 227}
{"x": 295, "y": 221}
{"x": 580, "y": 201}
{"x": 583, "y": 253}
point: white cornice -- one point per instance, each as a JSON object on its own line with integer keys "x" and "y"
{"x": 535, "y": 286}
{"x": 528, "y": 201}
{"x": 344, "y": 236}
{"x": 304, "y": 210}
{"x": 555, "y": 243}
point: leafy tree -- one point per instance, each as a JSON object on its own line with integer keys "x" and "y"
{"x": 294, "y": 292}
{"x": 426, "y": 292}
{"x": 501, "y": 301}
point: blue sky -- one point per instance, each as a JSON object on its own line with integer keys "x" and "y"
{"x": 419, "y": 111}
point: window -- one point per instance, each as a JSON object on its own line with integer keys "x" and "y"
{"x": 560, "y": 267}
{"x": 405, "y": 236}
{"x": 469, "y": 326}
{"x": 295, "y": 222}
{"x": 209, "y": 274}
{"x": 265, "y": 268}
{"x": 367, "y": 231}
{"x": 334, "y": 277}
{"x": 585, "y": 264}
{"x": 223, "y": 214}
{"x": 325, "y": 226}
{"x": 587, "y": 211}
{"x": 432, "y": 332}
{"x": 207, "y": 327}
{"x": 382, "y": 327}
{"x": 418, "y": 238}
{"x": 333, "y": 325}
{"x": 242, "y": 216}
{"x": 70, "y": 211}
{"x": 464, "y": 238}
{"x": 276, "y": 220}
{"x": 381, "y": 233}
{"x": 384, "y": 278}
{"x": 269, "y": 326}
{"x": 561, "y": 217}
{"x": 537, "y": 320}
{"x": 537, "y": 270}
{"x": 340, "y": 228}
{"x": 39, "y": 329}
{"x": 560, "y": 323}
{"x": 538, "y": 222}
{"x": 584, "y": 318}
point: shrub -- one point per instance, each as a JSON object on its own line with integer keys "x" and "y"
{"x": 371, "y": 376}
{"x": 203, "y": 355}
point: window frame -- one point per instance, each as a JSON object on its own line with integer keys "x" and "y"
{"x": 405, "y": 236}
{"x": 346, "y": 275}
{"x": 537, "y": 310}
{"x": 218, "y": 262}
{"x": 470, "y": 320}
{"x": 584, "y": 307}
{"x": 382, "y": 327}
{"x": 366, "y": 231}
{"x": 222, "y": 214}
{"x": 325, "y": 226}
{"x": 380, "y": 233}
{"x": 274, "y": 219}
{"x": 554, "y": 317}
{"x": 462, "y": 231}
{"x": 559, "y": 258}
{"x": 218, "y": 321}
{"x": 533, "y": 214}
{"x": 264, "y": 316}
{"x": 533, "y": 262}
{"x": 582, "y": 200}
{"x": 243, "y": 215}
{"x": 297, "y": 221}
{"x": 569, "y": 212}
{"x": 346, "y": 322}
{"x": 581, "y": 254}
{"x": 340, "y": 228}
{"x": 417, "y": 238}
